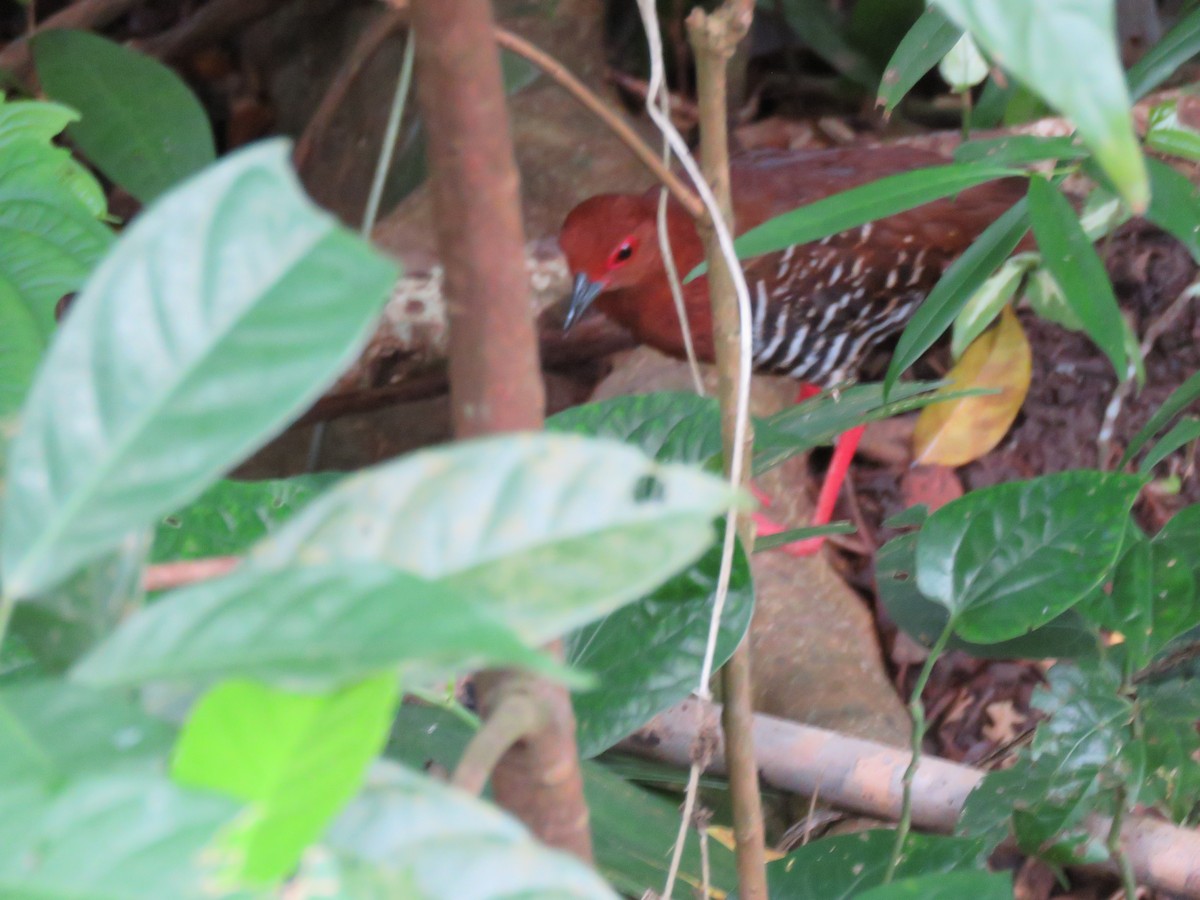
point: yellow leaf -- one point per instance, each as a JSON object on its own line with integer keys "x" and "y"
{"x": 957, "y": 432}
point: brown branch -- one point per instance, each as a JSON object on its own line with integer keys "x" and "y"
{"x": 16, "y": 58}
{"x": 577, "y": 89}
{"x": 714, "y": 38}
{"x": 864, "y": 777}
{"x": 517, "y": 715}
{"x": 207, "y": 24}
{"x": 166, "y": 576}
{"x": 495, "y": 379}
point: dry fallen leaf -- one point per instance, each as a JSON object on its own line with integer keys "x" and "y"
{"x": 957, "y": 432}
{"x": 1005, "y": 721}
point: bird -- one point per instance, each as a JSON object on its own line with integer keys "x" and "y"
{"x": 818, "y": 309}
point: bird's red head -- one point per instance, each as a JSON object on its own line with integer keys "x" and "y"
{"x": 610, "y": 242}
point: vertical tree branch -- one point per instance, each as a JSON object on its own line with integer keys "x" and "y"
{"x": 495, "y": 381}
{"x": 714, "y": 38}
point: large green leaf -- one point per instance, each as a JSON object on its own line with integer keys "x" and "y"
{"x": 141, "y": 125}
{"x": 61, "y": 624}
{"x": 1068, "y": 254}
{"x": 647, "y": 656}
{"x": 318, "y": 625}
{"x": 1009, "y": 558}
{"x": 127, "y": 836}
{"x": 222, "y": 312}
{"x": 230, "y": 516}
{"x": 296, "y": 758}
{"x": 821, "y": 419}
{"x": 1018, "y": 149}
{"x": 1151, "y": 598}
{"x": 441, "y": 843}
{"x": 857, "y": 206}
{"x": 959, "y": 283}
{"x": 1066, "y": 53}
{"x": 555, "y": 530}
{"x": 978, "y": 885}
{"x": 922, "y": 48}
{"x": 51, "y": 731}
{"x": 1177, "y": 46}
{"x": 841, "y": 867}
{"x": 669, "y": 426}
{"x": 50, "y": 238}
{"x": 1064, "y": 637}
{"x": 633, "y": 830}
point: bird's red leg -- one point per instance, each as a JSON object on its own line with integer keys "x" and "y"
{"x": 839, "y": 465}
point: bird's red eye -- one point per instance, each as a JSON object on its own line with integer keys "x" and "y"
{"x": 622, "y": 253}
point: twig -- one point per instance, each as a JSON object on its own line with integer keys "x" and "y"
{"x": 207, "y": 24}
{"x": 167, "y": 576}
{"x": 573, "y": 86}
{"x": 86, "y": 14}
{"x": 387, "y": 148}
{"x": 714, "y": 38}
{"x": 363, "y": 51}
{"x": 1154, "y": 331}
{"x": 517, "y": 715}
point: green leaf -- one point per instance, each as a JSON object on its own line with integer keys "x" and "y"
{"x": 554, "y": 530}
{"x": 1181, "y": 535}
{"x": 1175, "y": 206}
{"x": 141, "y": 126}
{"x": 930, "y": 38}
{"x": 447, "y": 844}
{"x": 63, "y": 623}
{"x": 296, "y": 758}
{"x": 1168, "y": 714}
{"x": 1151, "y": 598}
{"x": 231, "y": 515}
{"x": 1182, "y": 433}
{"x": 315, "y": 625}
{"x": 49, "y": 237}
{"x": 842, "y": 867}
{"x": 1064, "y": 637}
{"x": 1032, "y": 39}
{"x": 980, "y": 885}
{"x": 1070, "y": 257}
{"x": 1045, "y": 803}
{"x": 1018, "y": 150}
{"x": 1167, "y": 133}
{"x": 1177, "y": 46}
{"x": 1006, "y": 559}
{"x": 127, "y": 836}
{"x": 245, "y": 301}
{"x": 986, "y": 304}
{"x": 1127, "y": 608}
{"x": 51, "y": 731}
{"x": 956, "y": 287}
{"x": 669, "y": 426}
{"x": 765, "y": 542}
{"x": 1178, "y": 400}
{"x": 821, "y": 419}
{"x": 647, "y": 656}
{"x": 857, "y": 206}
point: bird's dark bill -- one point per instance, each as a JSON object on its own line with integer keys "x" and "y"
{"x": 582, "y": 294}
